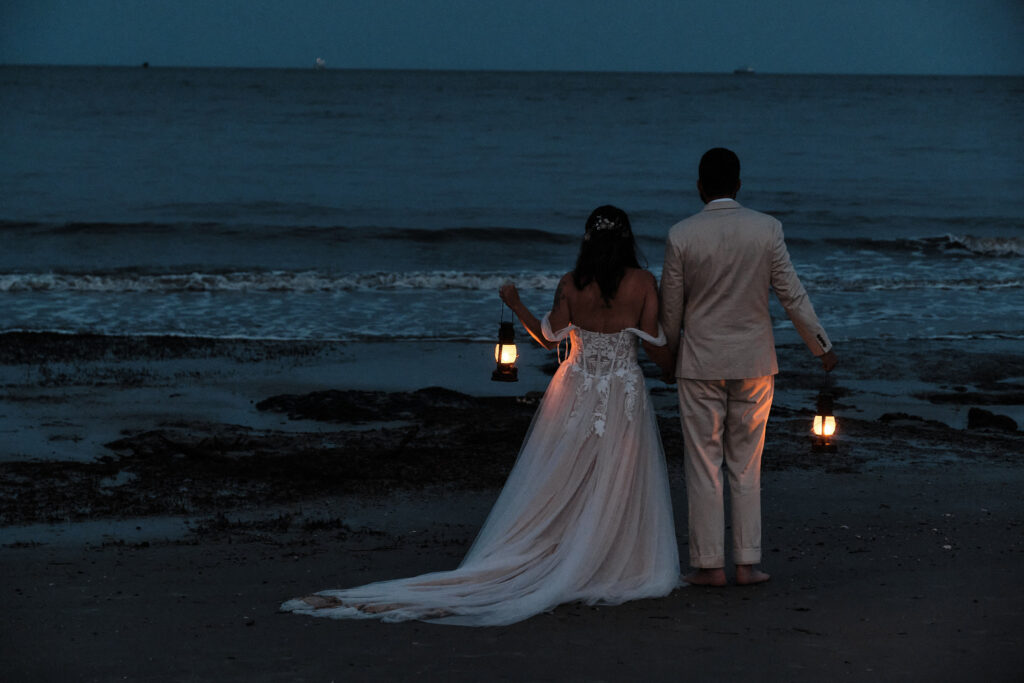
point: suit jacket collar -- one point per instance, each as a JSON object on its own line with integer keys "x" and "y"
{"x": 728, "y": 204}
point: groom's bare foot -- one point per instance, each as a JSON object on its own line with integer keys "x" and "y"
{"x": 748, "y": 575}
{"x": 707, "y": 577}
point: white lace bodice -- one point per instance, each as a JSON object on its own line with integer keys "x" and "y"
{"x": 601, "y": 360}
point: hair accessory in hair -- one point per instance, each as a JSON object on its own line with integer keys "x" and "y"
{"x": 604, "y": 223}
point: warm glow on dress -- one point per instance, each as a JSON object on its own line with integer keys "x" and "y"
{"x": 824, "y": 425}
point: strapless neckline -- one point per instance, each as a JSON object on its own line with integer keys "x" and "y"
{"x": 561, "y": 334}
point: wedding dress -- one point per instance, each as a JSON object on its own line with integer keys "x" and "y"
{"x": 585, "y": 514}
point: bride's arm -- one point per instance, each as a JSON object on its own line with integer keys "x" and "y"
{"x": 661, "y": 355}
{"x": 559, "y": 316}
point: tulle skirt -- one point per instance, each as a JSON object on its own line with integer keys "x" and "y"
{"x": 584, "y": 516}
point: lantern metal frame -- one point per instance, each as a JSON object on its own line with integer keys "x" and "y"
{"x": 824, "y": 443}
{"x": 505, "y": 372}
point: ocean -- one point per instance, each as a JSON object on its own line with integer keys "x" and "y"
{"x": 377, "y": 205}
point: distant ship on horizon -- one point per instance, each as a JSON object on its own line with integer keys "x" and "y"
{"x": 320, "y": 63}
{"x": 744, "y": 70}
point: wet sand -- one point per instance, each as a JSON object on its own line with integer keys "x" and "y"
{"x": 159, "y": 498}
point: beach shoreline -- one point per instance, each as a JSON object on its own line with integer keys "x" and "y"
{"x": 162, "y": 496}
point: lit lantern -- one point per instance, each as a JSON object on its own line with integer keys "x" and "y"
{"x": 824, "y": 429}
{"x": 505, "y": 355}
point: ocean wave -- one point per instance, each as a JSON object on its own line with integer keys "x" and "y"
{"x": 276, "y": 281}
{"x": 892, "y": 284}
{"x": 948, "y": 244}
{"x": 951, "y": 243}
{"x": 448, "y": 280}
{"x": 389, "y": 336}
{"x": 495, "y": 235}
{"x": 329, "y": 233}
{"x": 293, "y": 336}
{"x": 985, "y": 246}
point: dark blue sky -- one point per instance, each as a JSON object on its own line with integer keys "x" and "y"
{"x": 783, "y": 36}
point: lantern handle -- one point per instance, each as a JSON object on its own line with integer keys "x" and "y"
{"x": 829, "y": 381}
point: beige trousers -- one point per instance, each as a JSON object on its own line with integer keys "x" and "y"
{"x": 723, "y": 425}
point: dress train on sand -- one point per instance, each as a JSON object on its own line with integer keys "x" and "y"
{"x": 585, "y": 514}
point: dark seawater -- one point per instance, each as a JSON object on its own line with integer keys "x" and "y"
{"x": 372, "y": 205}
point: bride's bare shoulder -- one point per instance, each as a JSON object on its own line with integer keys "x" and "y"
{"x": 641, "y": 278}
{"x": 566, "y": 283}
{"x": 565, "y": 291}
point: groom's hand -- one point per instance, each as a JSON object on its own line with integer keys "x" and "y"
{"x": 828, "y": 360}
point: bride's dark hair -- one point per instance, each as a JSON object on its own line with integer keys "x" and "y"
{"x": 608, "y": 248}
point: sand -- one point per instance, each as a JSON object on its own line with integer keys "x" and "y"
{"x": 160, "y": 497}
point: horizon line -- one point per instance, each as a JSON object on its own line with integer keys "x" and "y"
{"x": 739, "y": 71}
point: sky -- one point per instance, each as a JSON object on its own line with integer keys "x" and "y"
{"x": 777, "y": 36}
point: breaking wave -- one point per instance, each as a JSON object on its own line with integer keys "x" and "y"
{"x": 985, "y": 246}
{"x": 314, "y": 281}
{"x": 276, "y": 281}
{"x": 948, "y": 244}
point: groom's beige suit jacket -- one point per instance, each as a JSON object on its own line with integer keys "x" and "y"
{"x": 720, "y": 268}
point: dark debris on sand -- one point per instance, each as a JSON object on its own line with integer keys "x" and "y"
{"x": 372, "y": 443}
{"x": 33, "y": 348}
{"x": 431, "y": 437}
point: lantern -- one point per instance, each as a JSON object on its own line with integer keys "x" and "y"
{"x": 824, "y": 428}
{"x": 505, "y": 355}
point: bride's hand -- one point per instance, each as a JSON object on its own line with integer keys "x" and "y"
{"x": 510, "y": 295}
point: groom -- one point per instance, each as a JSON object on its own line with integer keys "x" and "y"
{"x": 720, "y": 266}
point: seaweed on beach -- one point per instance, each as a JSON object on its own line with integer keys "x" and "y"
{"x": 443, "y": 438}
{"x": 374, "y": 443}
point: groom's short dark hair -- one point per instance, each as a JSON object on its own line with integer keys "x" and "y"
{"x": 719, "y": 172}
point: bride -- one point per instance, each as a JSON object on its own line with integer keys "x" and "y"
{"x": 585, "y": 514}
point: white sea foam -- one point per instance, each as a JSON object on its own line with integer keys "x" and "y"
{"x": 275, "y": 281}
{"x": 987, "y": 246}
{"x": 310, "y": 282}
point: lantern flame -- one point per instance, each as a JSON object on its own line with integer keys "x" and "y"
{"x": 505, "y": 354}
{"x": 824, "y": 425}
